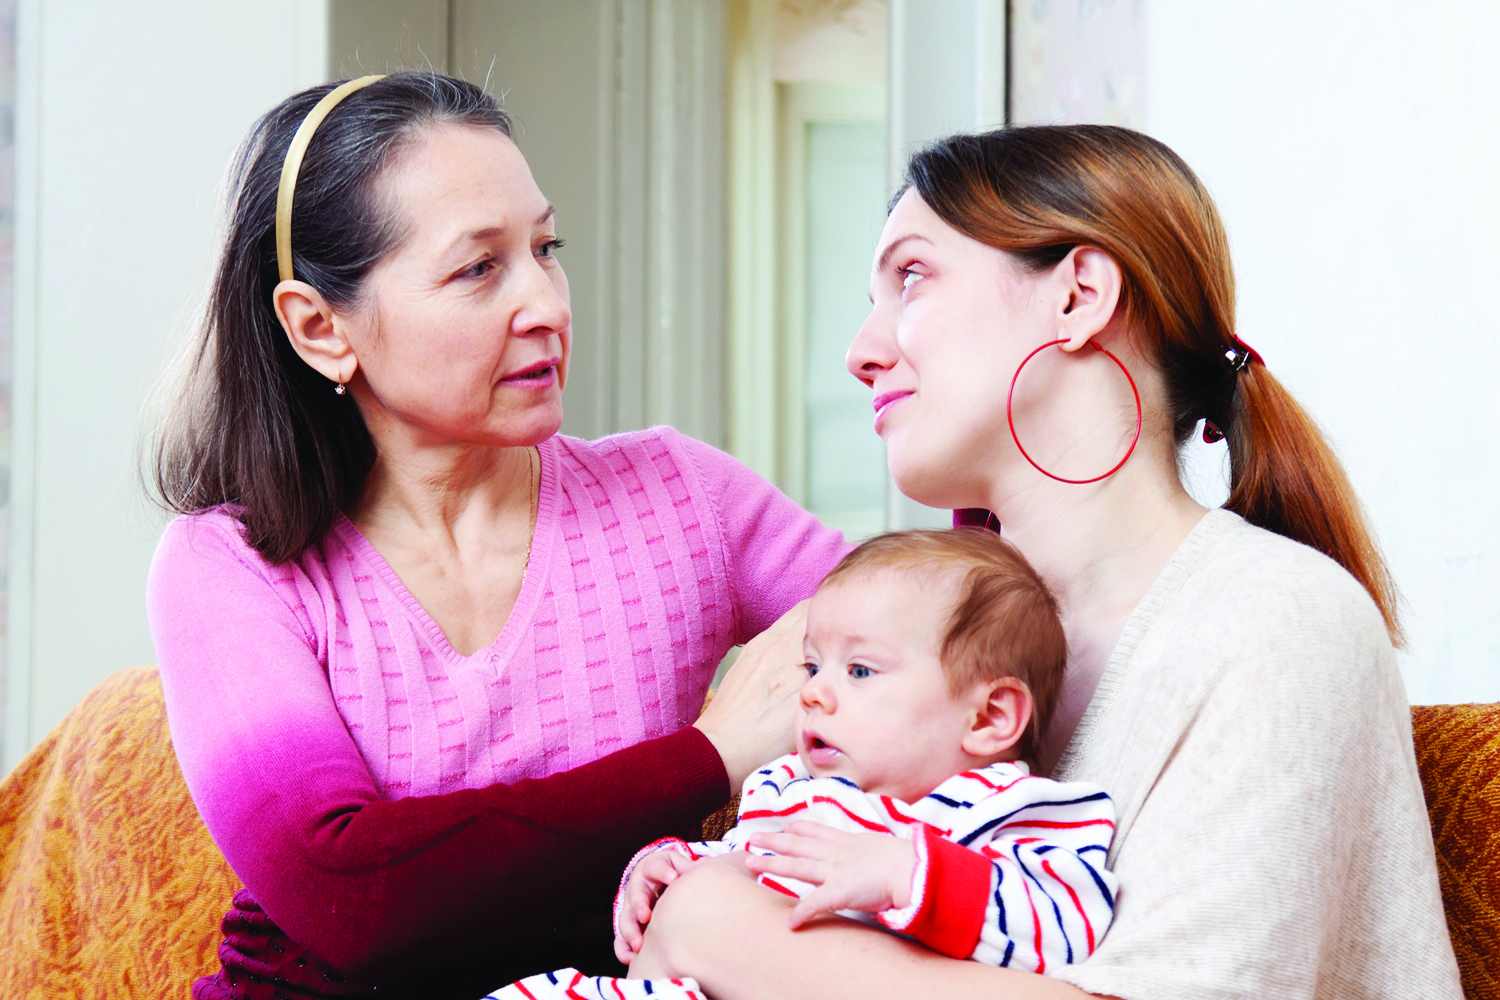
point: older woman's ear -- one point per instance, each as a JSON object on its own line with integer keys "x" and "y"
{"x": 309, "y": 323}
{"x": 1089, "y": 284}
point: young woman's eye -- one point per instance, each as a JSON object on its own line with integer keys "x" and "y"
{"x": 859, "y": 671}
{"x": 549, "y": 249}
{"x": 908, "y": 277}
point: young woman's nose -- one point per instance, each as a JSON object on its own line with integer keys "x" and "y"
{"x": 873, "y": 349}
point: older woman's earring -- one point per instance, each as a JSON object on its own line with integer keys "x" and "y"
{"x": 1010, "y": 418}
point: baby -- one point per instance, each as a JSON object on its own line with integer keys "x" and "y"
{"x": 933, "y": 659}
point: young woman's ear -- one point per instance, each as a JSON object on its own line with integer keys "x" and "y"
{"x": 308, "y": 321}
{"x": 1000, "y": 719}
{"x": 1091, "y": 285}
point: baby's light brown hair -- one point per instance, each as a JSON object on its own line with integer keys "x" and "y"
{"x": 1004, "y": 624}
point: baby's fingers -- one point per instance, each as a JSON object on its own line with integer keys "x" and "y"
{"x": 809, "y": 906}
{"x": 789, "y": 844}
{"x": 806, "y": 869}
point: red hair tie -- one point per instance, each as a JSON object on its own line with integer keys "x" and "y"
{"x": 1238, "y": 356}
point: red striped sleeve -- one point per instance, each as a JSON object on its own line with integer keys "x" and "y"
{"x": 953, "y": 899}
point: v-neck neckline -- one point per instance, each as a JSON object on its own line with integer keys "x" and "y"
{"x": 533, "y": 582}
{"x": 1189, "y": 555}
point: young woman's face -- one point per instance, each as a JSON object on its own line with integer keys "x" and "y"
{"x": 463, "y": 333}
{"x": 951, "y": 319}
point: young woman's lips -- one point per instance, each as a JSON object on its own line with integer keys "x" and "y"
{"x": 542, "y": 375}
{"x": 883, "y": 403}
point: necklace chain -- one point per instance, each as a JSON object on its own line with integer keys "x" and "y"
{"x": 534, "y": 481}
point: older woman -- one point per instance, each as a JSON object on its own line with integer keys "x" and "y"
{"x": 431, "y": 667}
{"x": 1053, "y": 317}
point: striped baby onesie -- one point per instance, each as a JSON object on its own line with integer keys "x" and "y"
{"x": 1010, "y": 867}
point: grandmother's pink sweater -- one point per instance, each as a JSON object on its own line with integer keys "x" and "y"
{"x": 391, "y": 804}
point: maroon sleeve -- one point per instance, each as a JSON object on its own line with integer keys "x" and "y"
{"x": 388, "y": 887}
{"x": 378, "y": 888}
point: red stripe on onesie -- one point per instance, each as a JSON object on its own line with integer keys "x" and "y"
{"x": 1077, "y": 903}
{"x": 830, "y": 800}
{"x": 763, "y": 813}
{"x": 954, "y": 898}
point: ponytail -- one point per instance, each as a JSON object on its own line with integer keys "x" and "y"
{"x": 1285, "y": 478}
{"x": 1037, "y": 192}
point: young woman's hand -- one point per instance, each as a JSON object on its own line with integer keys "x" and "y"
{"x": 651, "y": 876}
{"x": 750, "y": 718}
{"x": 852, "y": 871}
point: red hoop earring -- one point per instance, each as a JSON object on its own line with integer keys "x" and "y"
{"x": 1010, "y": 418}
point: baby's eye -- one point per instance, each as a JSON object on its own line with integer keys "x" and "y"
{"x": 811, "y": 668}
{"x": 859, "y": 671}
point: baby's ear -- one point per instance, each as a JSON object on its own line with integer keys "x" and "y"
{"x": 1002, "y": 713}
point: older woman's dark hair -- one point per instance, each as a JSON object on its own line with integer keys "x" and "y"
{"x": 253, "y": 425}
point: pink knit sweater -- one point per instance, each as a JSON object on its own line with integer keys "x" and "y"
{"x": 300, "y": 693}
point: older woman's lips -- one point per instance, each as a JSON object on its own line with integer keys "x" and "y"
{"x": 542, "y": 375}
{"x": 883, "y": 403}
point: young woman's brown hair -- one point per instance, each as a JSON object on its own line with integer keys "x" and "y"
{"x": 1036, "y": 192}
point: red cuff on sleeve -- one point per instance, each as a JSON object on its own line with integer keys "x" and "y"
{"x": 954, "y": 898}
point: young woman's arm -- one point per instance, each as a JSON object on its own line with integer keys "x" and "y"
{"x": 716, "y": 925}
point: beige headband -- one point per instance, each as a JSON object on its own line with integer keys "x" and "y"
{"x": 293, "y": 163}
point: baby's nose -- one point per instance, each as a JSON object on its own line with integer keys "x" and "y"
{"x": 817, "y": 693}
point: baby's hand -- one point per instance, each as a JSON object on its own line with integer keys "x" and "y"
{"x": 651, "y": 876}
{"x": 852, "y": 871}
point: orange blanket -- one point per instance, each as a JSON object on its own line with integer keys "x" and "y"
{"x": 1458, "y": 753}
{"x": 110, "y": 885}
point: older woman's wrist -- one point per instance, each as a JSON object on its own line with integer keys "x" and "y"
{"x": 732, "y": 758}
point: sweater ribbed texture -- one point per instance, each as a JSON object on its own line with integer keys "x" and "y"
{"x": 378, "y": 792}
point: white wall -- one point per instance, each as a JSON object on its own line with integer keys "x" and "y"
{"x": 1352, "y": 148}
{"x": 127, "y": 115}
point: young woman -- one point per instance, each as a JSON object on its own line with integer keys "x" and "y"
{"x": 1048, "y": 303}
{"x": 431, "y": 667}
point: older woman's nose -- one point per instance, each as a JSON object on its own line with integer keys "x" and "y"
{"x": 873, "y": 349}
{"x": 544, "y": 301}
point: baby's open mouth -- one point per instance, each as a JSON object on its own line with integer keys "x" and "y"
{"x": 821, "y": 753}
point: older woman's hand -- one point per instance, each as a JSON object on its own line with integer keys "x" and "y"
{"x": 750, "y": 719}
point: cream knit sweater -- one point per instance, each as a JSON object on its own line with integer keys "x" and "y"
{"x": 1252, "y": 728}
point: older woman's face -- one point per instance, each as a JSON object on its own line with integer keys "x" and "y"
{"x": 463, "y": 333}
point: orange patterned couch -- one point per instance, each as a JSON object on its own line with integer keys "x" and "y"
{"x": 110, "y": 885}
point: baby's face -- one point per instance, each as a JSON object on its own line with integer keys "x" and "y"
{"x": 876, "y": 707}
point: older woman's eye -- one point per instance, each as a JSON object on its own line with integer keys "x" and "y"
{"x": 478, "y": 269}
